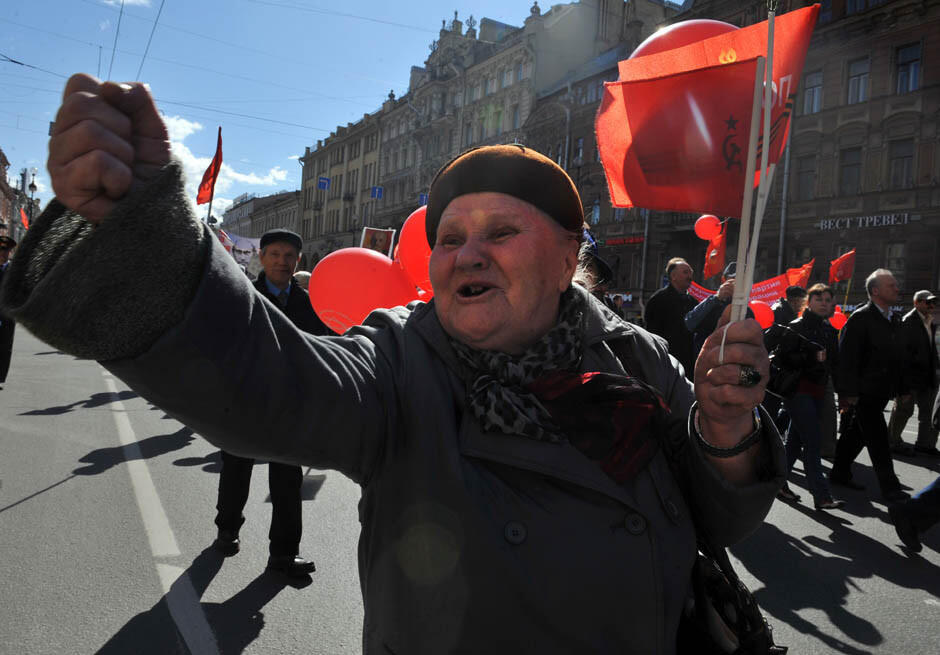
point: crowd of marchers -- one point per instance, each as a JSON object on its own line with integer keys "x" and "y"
{"x": 880, "y": 356}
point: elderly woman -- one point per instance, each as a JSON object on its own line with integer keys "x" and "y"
{"x": 510, "y": 437}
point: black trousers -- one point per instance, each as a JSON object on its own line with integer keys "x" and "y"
{"x": 284, "y": 483}
{"x": 868, "y": 430}
{"x": 7, "y": 328}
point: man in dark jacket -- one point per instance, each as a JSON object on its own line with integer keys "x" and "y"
{"x": 704, "y": 317}
{"x": 280, "y": 250}
{"x": 7, "y": 324}
{"x": 871, "y": 356}
{"x": 790, "y": 307}
{"x": 918, "y": 332}
{"x": 666, "y": 310}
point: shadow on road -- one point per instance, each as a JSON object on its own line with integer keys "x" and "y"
{"x": 235, "y": 623}
{"x": 96, "y": 400}
{"x": 211, "y": 463}
{"x": 99, "y": 461}
{"x": 51, "y": 352}
{"x": 797, "y": 576}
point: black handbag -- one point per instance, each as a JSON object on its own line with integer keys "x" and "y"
{"x": 721, "y": 615}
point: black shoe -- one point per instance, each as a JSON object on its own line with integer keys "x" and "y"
{"x": 291, "y": 566}
{"x": 787, "y": 494}
{"x": 227, "y": 543}
{"x": 907, "y": 533}
{"x": 896, "y": 496}
{"x": 927, "y": 452}
{"x": 846, "y": 482}
{"x": 829, "y": 503}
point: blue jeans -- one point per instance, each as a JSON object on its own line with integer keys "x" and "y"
{"x": 803, "y": 438}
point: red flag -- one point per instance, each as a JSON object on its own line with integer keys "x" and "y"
{"x": 842, "y": 267}
{"x": 715, "y": 255}
{"x": 207, "y": 186}
{"x": 24, "y": 219}
{"x": 639, "y": 177}
{"x": 799, "y": 277}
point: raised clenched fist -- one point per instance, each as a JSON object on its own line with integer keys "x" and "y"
{"x": 108, "y": 138}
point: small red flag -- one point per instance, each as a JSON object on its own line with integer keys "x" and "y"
{"x": 715, "y": 255}
{"x": 24, "y": 219}
{"x": 842, "y": 267}
{"x": 639, "y": 177}
{"x": 799, "y": 277}
{"x": 207, "y": 186}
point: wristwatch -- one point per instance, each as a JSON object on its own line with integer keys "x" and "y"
{"x": 737, "y": 449}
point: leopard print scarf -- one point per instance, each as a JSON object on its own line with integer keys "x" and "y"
{"x": 497, "y": 383}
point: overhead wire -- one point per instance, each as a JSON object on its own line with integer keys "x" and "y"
{"x": 147, "y": 49}
{"x": 116, "y": 33}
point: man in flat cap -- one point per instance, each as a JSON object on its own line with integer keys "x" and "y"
{"x": 918, "y": 333}
{"x": 280, "y": 251}
{"x": 7, "y": 324}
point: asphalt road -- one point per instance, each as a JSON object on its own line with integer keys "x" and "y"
{"x": 106, "y": 509}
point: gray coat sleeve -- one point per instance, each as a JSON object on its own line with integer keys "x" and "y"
{"x": 726, "y": 512}
{"x": 153, "y": 295}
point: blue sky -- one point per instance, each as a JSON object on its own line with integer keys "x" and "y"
{"x": 304, "y": 66}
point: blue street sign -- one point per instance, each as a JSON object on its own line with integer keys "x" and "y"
{"x": 323, "y": 183}
{"x": 422, "y": 198}
{"x": 376, "y": 192}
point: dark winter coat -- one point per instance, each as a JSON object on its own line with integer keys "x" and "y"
{"x": 871, "y": 355}
{"x": 812, "y": 327}
{"x": 920, "y": 352}
{"x": 665, "y": 316}
{"x": 472, "y": 541}
{"x": 298, "y": 309}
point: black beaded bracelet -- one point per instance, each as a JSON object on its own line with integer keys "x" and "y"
{"x": 737, "y": 449}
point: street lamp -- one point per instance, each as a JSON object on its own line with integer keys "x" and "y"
{"x": 32, "y": 191}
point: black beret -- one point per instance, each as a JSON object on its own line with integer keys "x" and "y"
{"x": 511, "y": 169}
{"x": 281, "y": 235}
{"x": 8, "y": 241}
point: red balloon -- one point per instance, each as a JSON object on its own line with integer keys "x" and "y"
{"x": 413, "y": 249}
{"x": 681, "y": 34}
{"x": 350, "y": 283}
{"x": 763, "y": 314}
{"x": 838, "y": 320}
{"x": 707, "y": 227}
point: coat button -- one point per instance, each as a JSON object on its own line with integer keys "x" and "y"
{"x": 635, "y": 523}
{"x": 515, "y": 532}
{"x": 672, "y": 510}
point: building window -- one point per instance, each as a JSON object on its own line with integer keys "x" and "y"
{"x": 498, "y": 122}
{"x": 516, "y": 117}
{"x": 619, "y": 213}
{"x": 519, "y": 72}
{"x": 850, "y": 171}
{"x": 812, "y": 92}
{"x": 487, "y": 89}
{"x": 505, "y": 78}
{"x": 806, "y": 177}
{"x": 825, "y": 11}
{"x": 468, "y": 134}
{"x": 901, "y": 163}
{"x": 481, "y": 130}
{"x": 908, "y": 68}
{"x": 559, "y": 154}
{"x": 579, "y": 148}
{"x": 858, "y": 80}
{"x": 896, "y": 261}
{"x": 854, "y": 7}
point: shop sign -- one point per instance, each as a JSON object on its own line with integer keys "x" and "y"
{"x": 861, "y": 222}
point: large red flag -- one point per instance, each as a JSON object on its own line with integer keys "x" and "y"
{"x": 799, "y": 277}
{"x": 842, "y": 267}
{"x": 207, "y": 186}
{"x": 639, "y": 177}
{"x": 24, "y": 219}
{"x": 715, "y": 255}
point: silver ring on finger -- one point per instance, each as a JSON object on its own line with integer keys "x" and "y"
{"x": 749, "y": 376}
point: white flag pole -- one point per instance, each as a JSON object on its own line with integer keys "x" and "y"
{"x": 739, "y": 299}
{"x": 766, "y": 173}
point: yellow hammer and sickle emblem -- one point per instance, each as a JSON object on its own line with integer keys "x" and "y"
{"x": 728, "y": 56}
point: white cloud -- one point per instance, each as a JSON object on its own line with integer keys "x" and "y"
{"x": 194, "y": 167}
{"x": 180, "y": 128}
{"x": 131, "y": 3}
{"x": 103, "y": 25}
{"x": 294, "y": 157}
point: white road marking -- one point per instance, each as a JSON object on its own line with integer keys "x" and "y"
{"x": 181, "y": 597}
{"x": 179, "y": 593}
